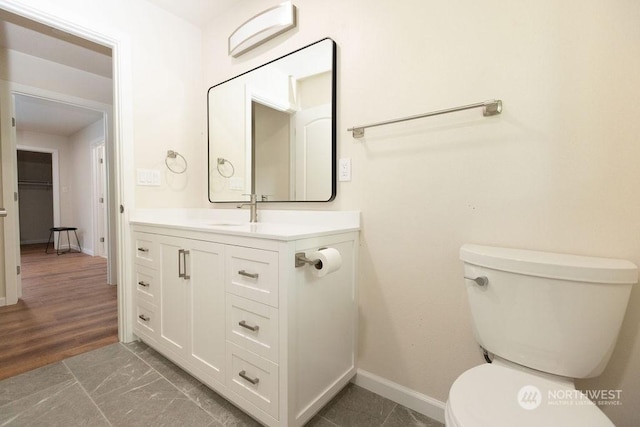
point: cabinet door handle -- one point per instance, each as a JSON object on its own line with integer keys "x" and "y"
{"x": 251, "y": 328}
{"x": 143, "y": 250}
{"x": 182, "y": 264}
{"x": 247, "y": 274}
{"x": 180, "y": 254}
{"x": 187, "y": 276}
{"x": 243, "y": 375}
{"x": 145, "y": 284}
{"x": 144, "y": 318}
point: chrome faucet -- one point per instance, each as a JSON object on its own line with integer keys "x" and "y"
{"x": 253, "y": 207}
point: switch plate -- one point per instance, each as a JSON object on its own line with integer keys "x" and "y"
{"x": 344, "y": 170}
{"x": 236, "y": 183}
{"x": 148, "y": 177}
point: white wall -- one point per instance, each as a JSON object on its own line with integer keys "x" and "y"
{"x": 271, "y": 150}
{"x": 556, "y": 171}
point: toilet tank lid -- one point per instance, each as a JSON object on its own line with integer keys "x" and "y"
{"x": 551, "y": 265}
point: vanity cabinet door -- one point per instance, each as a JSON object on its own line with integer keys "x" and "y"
{"x": 173, "y": 296}
{"x": 205, "y": 266}
{"x": 192, "y": 319}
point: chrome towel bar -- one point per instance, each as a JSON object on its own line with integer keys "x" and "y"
{"x": 489, "y": 108}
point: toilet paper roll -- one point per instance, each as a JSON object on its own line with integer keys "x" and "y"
{"x": 330, "y": 261}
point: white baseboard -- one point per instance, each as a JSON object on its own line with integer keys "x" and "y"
{"x": 432, "y": 408}
{"x": 33, "y": 242}
{"x": 86, "y": 251}
{"x": 3, "y": 302}
{"x": 65, "y": 247}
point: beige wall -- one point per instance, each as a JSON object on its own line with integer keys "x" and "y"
{"x": 556, "y": 171}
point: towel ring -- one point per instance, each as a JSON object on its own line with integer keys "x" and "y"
{"x": 222, "y": 161}
{"x": 172, "y": 155}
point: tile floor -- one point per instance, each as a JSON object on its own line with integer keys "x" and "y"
{"x": 131, "y": 385}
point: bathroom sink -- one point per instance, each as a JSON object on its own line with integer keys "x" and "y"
{"x": 226, "y": 224}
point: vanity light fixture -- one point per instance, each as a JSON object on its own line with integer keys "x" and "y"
{"x": 262, "y": 27}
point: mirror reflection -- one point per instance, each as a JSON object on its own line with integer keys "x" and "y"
{"x": 272, "y": 130}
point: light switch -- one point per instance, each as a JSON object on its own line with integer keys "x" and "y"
{"x": 344, "y": 170}
{"x": 148, "y": 177}
{"x": 236, "y": 183}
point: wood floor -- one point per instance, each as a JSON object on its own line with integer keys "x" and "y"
{"x": 67, "y": 308}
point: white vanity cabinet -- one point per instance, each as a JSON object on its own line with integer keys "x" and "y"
{"x": 234, "y": 310}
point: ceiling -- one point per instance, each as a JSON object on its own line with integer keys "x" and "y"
{"x": 198, "y": 12}
{"x": 45, "y": 116}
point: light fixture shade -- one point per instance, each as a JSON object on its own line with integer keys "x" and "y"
{"x": 262, "y": 27}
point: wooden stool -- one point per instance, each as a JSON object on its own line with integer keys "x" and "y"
{"x": 60, "y": 230}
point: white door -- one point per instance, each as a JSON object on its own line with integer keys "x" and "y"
{"x": 10, "y": 286}
{"x": 313, "y": 154}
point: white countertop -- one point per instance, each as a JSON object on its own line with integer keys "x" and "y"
{"x": 272, "y": 224}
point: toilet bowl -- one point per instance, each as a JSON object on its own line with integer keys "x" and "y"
{"x": 548, "y": 318}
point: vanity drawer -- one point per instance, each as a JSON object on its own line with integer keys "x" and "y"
{"x": 146, "y": 321}
{"x": 253, "y": 326}
{"x": 147, "y": 284}
{"x": 253, "y": 274}
{"x": 146, "y": 250}
{"x": 254, "y": 378}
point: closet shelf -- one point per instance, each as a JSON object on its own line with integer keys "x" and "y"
{"x": 35, "y": 183}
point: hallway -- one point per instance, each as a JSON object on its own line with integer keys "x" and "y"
{"x": 66, "y": 309}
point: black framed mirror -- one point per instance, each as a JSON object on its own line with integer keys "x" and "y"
{"x": 272, "y": 130}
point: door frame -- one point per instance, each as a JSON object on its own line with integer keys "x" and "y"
{"x": 119, "y": 152}
{"x": 10, "y": 224}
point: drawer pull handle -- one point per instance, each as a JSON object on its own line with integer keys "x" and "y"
{"x": 145, "y": 284}
{"x": 144, "y": 318}
{"x": 143, "y": 250}
{"x": 243, "y": 375}
{"x": 246, "y": 274}
{"x": 251, "y": 328}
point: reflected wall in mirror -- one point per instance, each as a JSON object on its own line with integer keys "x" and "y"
{"x": 272, "y": 130}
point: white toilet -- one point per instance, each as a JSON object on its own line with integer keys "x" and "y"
{"x": 547, "y": 319}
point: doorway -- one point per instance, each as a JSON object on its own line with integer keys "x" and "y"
{"x": 35, "y": 187}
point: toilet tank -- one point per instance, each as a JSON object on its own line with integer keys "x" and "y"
{"x": 556, "y": 313}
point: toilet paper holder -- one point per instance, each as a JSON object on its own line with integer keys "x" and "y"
{"x": 301, "y": 260}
